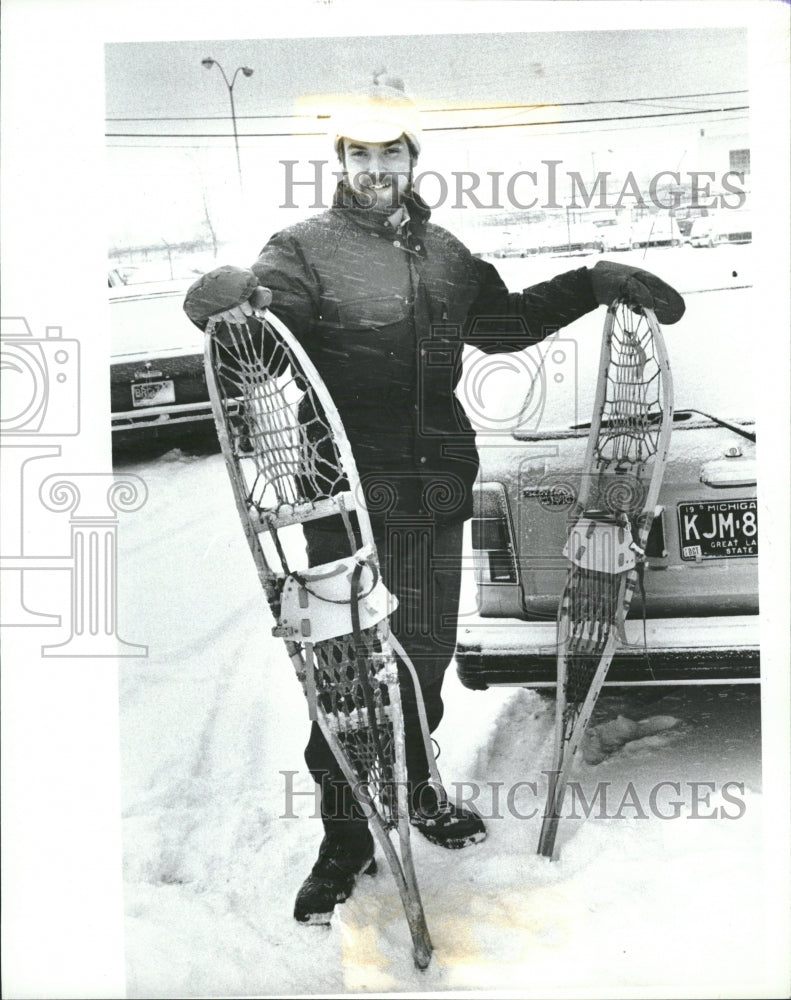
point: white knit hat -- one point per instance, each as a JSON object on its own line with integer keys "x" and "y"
{"x": 379, "y": 114}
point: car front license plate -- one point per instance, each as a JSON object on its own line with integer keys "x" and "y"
{"x": 718, "y": 529}
{"x": 153, "y": 393}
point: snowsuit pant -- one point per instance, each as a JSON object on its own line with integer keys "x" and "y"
{"x": 421, "y": 566}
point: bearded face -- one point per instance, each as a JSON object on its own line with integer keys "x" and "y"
{"x": 378, "y": 172}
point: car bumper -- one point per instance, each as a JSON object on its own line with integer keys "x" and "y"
{"x": 179, "y": 413}
{"x": 674, "y": 651}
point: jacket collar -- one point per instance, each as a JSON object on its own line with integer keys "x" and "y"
{"x": 414, "y": 228}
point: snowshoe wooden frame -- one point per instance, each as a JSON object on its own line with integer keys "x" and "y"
{"x": 289, "y": 462}
{"x": 608, "y": 528}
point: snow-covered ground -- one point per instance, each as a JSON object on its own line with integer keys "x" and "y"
{"x": 214, "y": 717}
{"x": 646, "y": 895}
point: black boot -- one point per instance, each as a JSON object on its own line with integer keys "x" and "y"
{"x": 444, "y": 823}
{"x": 332, "y": 879}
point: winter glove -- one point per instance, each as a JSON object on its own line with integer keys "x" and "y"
{"x": 612, "y": 281}
{"x": 226, "y": 293}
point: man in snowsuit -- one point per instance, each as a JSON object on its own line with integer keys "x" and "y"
{"x": 383, "y": 301}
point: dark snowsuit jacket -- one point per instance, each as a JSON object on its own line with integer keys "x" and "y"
{"x": 384, "y": 316}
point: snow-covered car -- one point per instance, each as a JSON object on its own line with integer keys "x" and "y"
{"x": 698, "y": 621}
{"x": 704, "y": 232}
{"x": 687, "y": 216}
{"x": 157, "y": 382}
{"x": 120, "y": 275}
{"x": 735, "y": 226}
{"x": 656, "y": 231}
{"x": 726, "y": 227}
{"x": 572, "y": 238}
{"x": 613, "y": 236}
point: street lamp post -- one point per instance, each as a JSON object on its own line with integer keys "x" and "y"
{"x": 208, "y": 63}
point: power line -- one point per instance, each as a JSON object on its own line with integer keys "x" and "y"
{"x": 208, "y": 135}
{"x": 436, "y": 128}
{"x": 451, "y": 110}
{"x": 203, "y": 118}
{"x": 654, "y": 125}
{"x": 577, "y": 121}
{"x": 587, "y": 103}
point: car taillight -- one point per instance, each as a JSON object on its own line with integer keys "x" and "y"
{"x": 492, "y": 536}
{"x": 655, "y": 546}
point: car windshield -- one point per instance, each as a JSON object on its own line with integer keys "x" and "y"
{"x": 146, "y": 319}
{"x": 553, "y": 384}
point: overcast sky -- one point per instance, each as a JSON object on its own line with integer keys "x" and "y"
{"x": 166, "y": 78}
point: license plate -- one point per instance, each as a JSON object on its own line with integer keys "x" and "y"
{"x": 718, "y": 529}
{"x": 153, "y": 393}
